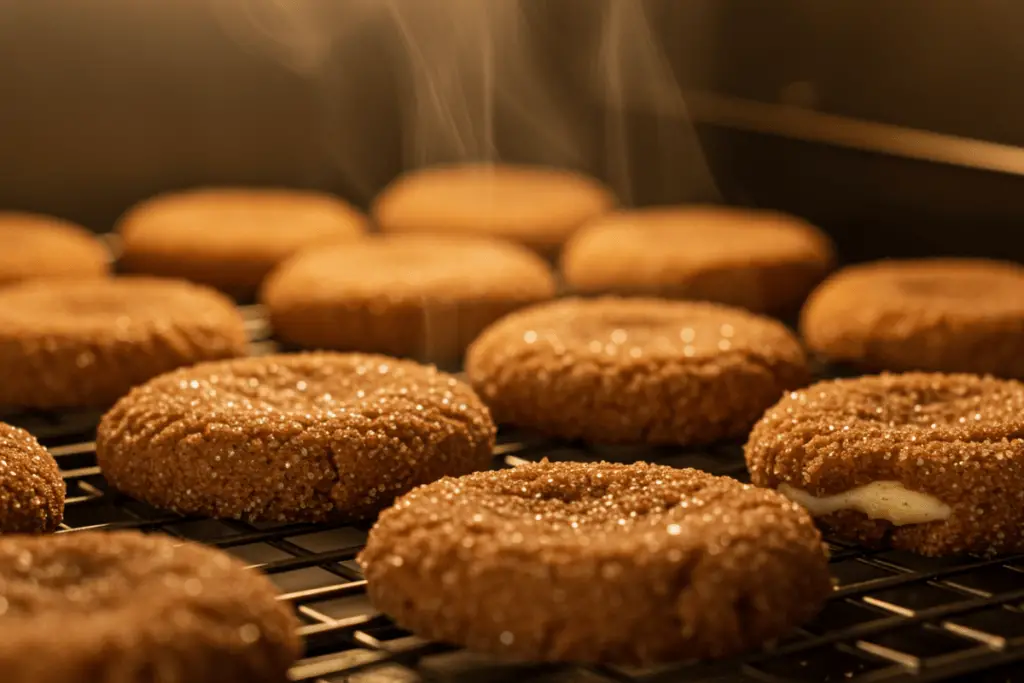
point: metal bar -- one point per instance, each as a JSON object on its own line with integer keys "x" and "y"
{"x": 881, "y": 138}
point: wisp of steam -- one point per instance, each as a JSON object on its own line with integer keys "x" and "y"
{"x": 555, "y": 83}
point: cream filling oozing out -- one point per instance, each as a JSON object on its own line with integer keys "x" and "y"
{"x": 888, "y": 500}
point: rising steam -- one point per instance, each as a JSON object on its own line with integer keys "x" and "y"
{"x": 485, "y": 80}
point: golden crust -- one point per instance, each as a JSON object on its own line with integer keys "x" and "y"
{"x": 634, "y": 370}
{"x": 94, "y": 607}
{"x": 425, "y": 297}
{"x": 302, "y": 438}
{"x": 31, "y": 488}
{"x": 955, "y": 437}
{"x": 535, "y": 206}
{"x": 625, "y": 564}
{"x": 759, "y": 260}
{"x": 231, "y": 238}
{"x": 85, "y": 343}
{"x": 38, "y": 246}
{"x": 947, "y": 315}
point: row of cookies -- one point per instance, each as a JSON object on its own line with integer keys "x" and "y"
{"x": 429, "y": 296}
{"x": 426, "y": 296}
{"x": 309, "y": 436}
{"x": 604, "y": 370}
{"x": 231, "y": 238}
{"x": 300, "y": 437}
{"x": 81, "y": 342}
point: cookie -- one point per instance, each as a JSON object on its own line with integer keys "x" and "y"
{"x": 425, "y": 297}
{"x": 31, "y": 488}
{"x": 97, "y": 607}
{"x": 634, "y": 370}
{"x": 298, "y": 438}
{"x": 948, "y": 315}
{"x": 534, "y": 206}
{"x": 596, "y": 562}
{"x": 929, "y": 463}
{"x": 230, "y": 238}
{"x": 37, "y": 246}
{"x": 763, "y": 261}
{"x": 84, "y": 343}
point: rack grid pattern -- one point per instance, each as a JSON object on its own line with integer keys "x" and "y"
{"x": 893, "y": 617}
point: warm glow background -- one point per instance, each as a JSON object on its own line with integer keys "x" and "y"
{"x": 105, "y": 102}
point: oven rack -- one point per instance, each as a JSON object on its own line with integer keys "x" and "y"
{"x": 893, "y": 617}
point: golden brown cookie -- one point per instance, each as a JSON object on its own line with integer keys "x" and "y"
{"x": 634, "y": 370}
{"x": 301, "y": 438}
{"x": 37, "y": 246}
{"x": 84, "y": 343}
{"x": 763, "y": 261}
{"x": 425, "y": 297}
{"x": 930, "y": 463}
{"x": 950, "y": 315}
{"x": 597, "y": 562}
{"x": 534, "y": 206}
{"x": 31, "y": 488}
{"x": 99, "y": 607}
{"x": 230, "y": 238}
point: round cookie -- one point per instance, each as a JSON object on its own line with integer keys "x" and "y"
{"x": 535, "y": 206}
{"x": 299, "y": 438}
{"x": 634, "y": 370}
{"x": 84, "y": 343}
{"x": 624, "y": 564}
{"x": 941, "y": 457}
{"x": 94, "y": 607}
{"x": 949, "y": 315}
{"x": 763, "y": 261}
{"x": 37, "y": 246}
{"x": 31, "y": 488}
{"x": 425, "y": 297}
{"x": 231, "y": 238}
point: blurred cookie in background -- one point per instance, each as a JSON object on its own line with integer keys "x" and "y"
{"x": 763, "y": 261}
{"x": 419, "y": 296}
{"x": 230, "y": 238}
{"x": 106, "y": 606}
{"x": 943, "y": 314}
{"x": 85, "y": 342}
{"x": 537, "y": 207}
{"x": 38, "y": 246}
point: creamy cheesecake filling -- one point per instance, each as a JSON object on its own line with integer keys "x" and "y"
{"x": 888, "y": 500}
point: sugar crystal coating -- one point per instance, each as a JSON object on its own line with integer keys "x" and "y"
{"x": 303, "y": 438}
{"x": 418, "y": 296}
{"x": 947, "y": 315}
{"x": 959, "y": 438}
{"x": 634, "y": 370}
{"x": 31, "y": 488}
{"x": 84, "y": 343}
{"x": 98, "y": 607}
{"x": 596, "y": 562}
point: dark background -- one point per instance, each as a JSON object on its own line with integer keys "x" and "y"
{"x": 105, "y": 102}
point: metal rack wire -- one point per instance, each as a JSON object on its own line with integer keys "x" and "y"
{"x": 894, "y": 616}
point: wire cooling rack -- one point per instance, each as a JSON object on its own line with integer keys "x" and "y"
{"x": 893, "y": 617}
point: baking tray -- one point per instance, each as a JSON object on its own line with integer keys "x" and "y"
{"x": 893, "y": 617}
